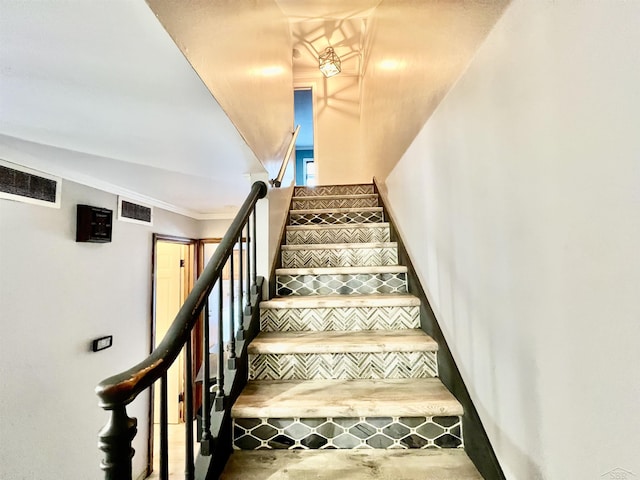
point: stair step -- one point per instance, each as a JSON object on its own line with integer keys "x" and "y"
{"x": 340, "y": 255}
{"x": 340, "y": 312}
{"x": 336, "y": 301}
{"x": 389, "y": 413}
{"x": 336, "y": 215}
{"x": 321, "y": 190}
{"x": 362, "y": 464}
{"x": 341, "y": 233}
{"x": 342, "y": 342}
{"x": 342, "y": 355}
{"x": 341, "y": 280}
{"x": 416, "y": 397}
{"x": 334, "y": 201}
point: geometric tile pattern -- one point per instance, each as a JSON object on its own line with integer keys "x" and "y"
{"x": 333, "y": 432}
{"x": 342, "y": 365}
{"x": 333, "y": 190}
{"x": 341, "y": 284}
{"x": 356, "y": 432}
{"x": 333, "y": 257}
{"x": 339, "y": 318}
{"x": 319, "y": 202}
{"x": 369, "y": 234}
{"x": 331, "y": 218}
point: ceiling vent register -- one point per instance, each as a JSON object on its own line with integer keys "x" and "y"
{"x": 25, "y": 185}
{"x": 129, "y": 211}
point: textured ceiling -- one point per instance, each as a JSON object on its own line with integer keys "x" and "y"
{"x": 317, "y": 24}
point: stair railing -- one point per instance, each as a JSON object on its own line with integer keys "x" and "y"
{"x": 116, "y": 392}
{"x": 276, "y": 182}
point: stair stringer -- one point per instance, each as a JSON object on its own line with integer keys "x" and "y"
{"x": 476, "y": 441}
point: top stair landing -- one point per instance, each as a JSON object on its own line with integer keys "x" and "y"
{"x": 328, "y": 190}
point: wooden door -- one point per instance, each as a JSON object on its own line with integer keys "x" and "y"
{"x": 170, "y": 294}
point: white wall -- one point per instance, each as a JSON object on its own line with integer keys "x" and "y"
{"x": 57, "y": 295}
{"x": 279, "y": 203}
{"x": 338, "y": 146}
{"x": 214, "y": 228}
{"x": 416, "y": 51}
{"x": 519, "y": 201}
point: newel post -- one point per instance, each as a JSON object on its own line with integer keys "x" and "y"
{"x": 115, "y": 441}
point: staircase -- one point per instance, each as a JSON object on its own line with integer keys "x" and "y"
{"x": 342, "y": 382}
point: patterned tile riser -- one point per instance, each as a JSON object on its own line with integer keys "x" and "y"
{"x": 333, "y": 190}
{"x": 358, "y": 432}
{"x": 344, "y": 284}
{"x": 320, "y": 202}
{"x": 340, "y": 258}
{"x": 339, "y": 319}
{"x": 335, "y": 218}
{"x": 343, "y": 366}
{"x": 342, "y": 235}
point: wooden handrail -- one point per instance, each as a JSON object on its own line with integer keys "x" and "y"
{"x": 119, "y": 390}
{"x": 276, "y": 182}
{"x": 122, "y": 389}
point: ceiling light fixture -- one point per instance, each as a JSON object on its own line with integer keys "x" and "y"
{"x": 329, "y": 62}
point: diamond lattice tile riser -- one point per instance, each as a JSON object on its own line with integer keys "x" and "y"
{"x": 331, "y": 218}
{"x": 340, "y": 257}
{"x": 341, "y": 284}
{"x": 319, "y": 202}
{"x": 339, "y": 318}
{"x": 369, "y": 234}
{"x": 357, "y": 432}
{"x": 333, "y": 190}
{"x": 344, "y": 366}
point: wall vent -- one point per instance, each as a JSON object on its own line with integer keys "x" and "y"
{"x": 25, "y": 185}
{"x": 134, "y": 212}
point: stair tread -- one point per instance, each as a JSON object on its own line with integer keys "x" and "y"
{"x": 339, "y": 246}
{"x": 361, "y": 464}
{"x": 342, "y": 270}
{"x": 338, "y": 226}
{"x": 336, "y": 197}
{"x": 414, "y": 397}
{"x": 335, "y": 210}
{"x": 329, "y": 301}
{"x": 370, "y": 341}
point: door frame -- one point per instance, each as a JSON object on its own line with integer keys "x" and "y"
{"x": 306, "y": 84}
{"x": 192, "y": 264}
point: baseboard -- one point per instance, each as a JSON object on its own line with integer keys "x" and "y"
{"x": 476, "y": 441}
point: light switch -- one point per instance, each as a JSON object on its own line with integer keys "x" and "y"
{"x": 102, "y": 343}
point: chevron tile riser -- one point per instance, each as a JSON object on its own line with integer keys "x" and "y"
{"x": 319, "y": 202}
{"x": 346, "y": 235}
{"x": 343, "y": 284}
{"x": 357, "y": 432}
{"x": 368, "y": 257}
{"x": 335, "y": 218}
{"x": 339, "y": 318}
{"x": 333, "y": 190}
{"x": 343, "y": 366}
